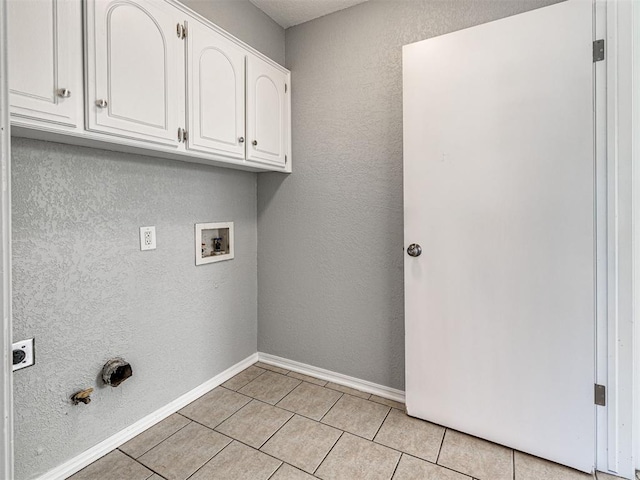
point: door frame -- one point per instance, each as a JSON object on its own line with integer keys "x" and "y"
{"x": 615, "y": 427}
{"x": 6, "y": 376}
{"x": 635, "y": 141}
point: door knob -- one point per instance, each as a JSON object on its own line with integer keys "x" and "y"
{"x": 414, "y": 250}
{"x": 64, "y": 93}
{"x": 101, "y": 103}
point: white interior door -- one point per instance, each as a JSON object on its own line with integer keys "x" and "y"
{"x": 499, "y": 193}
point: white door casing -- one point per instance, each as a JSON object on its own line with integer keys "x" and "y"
{"x": 615, "y": 132}
{"x": 45, "y": 64}
{"x": 6, "y": 379}
{"x": 499, "y": 191}
{"x": 216, "y": 93}
{"x": 134, "y": 62}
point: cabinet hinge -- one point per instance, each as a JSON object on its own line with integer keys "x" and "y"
{"x": 185, "y": 135}
{"x": 600, "y": 395}
{"x": 598, "y": 50}
{"x": 181, "y": 31}
{"x": 285, "y": 88}
{"x": 285, "y": 159}
{"x": 180, "y": 135}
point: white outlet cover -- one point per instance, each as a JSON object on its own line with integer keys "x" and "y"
{"x": 147, "y": 238}
{"x": 27, "y": 347}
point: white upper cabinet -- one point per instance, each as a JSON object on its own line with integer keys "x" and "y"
{"x": 45, "y": 61}
{"x": 267, "y": 113}
{"x": 135, "y": 58}
{"x": 157, "y": 78}
{"x": 215, "y": 92}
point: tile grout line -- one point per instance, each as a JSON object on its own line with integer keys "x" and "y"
{"x": 441, "y": 445}
{"x": 271, "y": 367}
{"x": 276, "y": 431}
{"x": 276, "y": 373}
{"x": 432, "y": 463}
{"x": 326, "y": 385}
{"x": 233, "y": 414}
{"x": 309, "y": 383}
{"x": 347, "y": 393}
{"x": 233, "y": 439}
{"x": 217, "y": 453}
{"x": 242, "y": 386}
{"x": 328, "y": 452}
{"x": 395, "y": 469}
{"x": 139, "y": 463}
{"x": 223, "y": 420}
{"x": 240, "y": 442}
{"x": 331, "y": 407}
{"x": 308, "y": 376}
{"x": 342, "y": 432}
{"x": 275, "y": 471}
{"x": 159, "y": 443}
{"x": 354, "y": 396}
{"x": 380, "y": 426}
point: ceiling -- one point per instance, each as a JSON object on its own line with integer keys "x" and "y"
{"x": 288, "y": 13}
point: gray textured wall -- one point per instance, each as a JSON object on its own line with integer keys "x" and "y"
{"x": 330, "y": 256}
{"x": 241, "y": 17}
{"x": 86, "y": 292}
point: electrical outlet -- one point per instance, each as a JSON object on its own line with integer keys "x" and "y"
{"x": 147, "y": 238}
{"x": 23, "y": 354}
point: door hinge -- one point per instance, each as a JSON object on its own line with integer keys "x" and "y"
{"x": 598, "y": 50}
{"x": 600, "y": 395}
{"x": 181, "y": 31}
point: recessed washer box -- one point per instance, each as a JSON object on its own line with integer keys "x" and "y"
{"x": 214, "y": 242}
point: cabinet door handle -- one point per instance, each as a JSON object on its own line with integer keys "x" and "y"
{"x": 254, "y": 143}
{"x": 64, "y": 93}
{"x": 101, "y": 103}
{"x": 241, "y": 140}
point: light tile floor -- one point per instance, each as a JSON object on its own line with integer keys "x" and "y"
{"x": 269, "y": 423}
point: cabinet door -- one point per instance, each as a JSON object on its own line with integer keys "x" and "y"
{"x": 267, "y": 116}
{"x": 45, "y": 60}
{"x": 134, "y": 59}
{"x": 215, "y": 92}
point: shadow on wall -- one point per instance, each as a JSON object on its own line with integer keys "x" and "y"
{"x": 270, "y": 183}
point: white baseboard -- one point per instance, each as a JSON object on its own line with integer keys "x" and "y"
{"x": 328, "y": 375}
{"x": 94, "y": 453}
